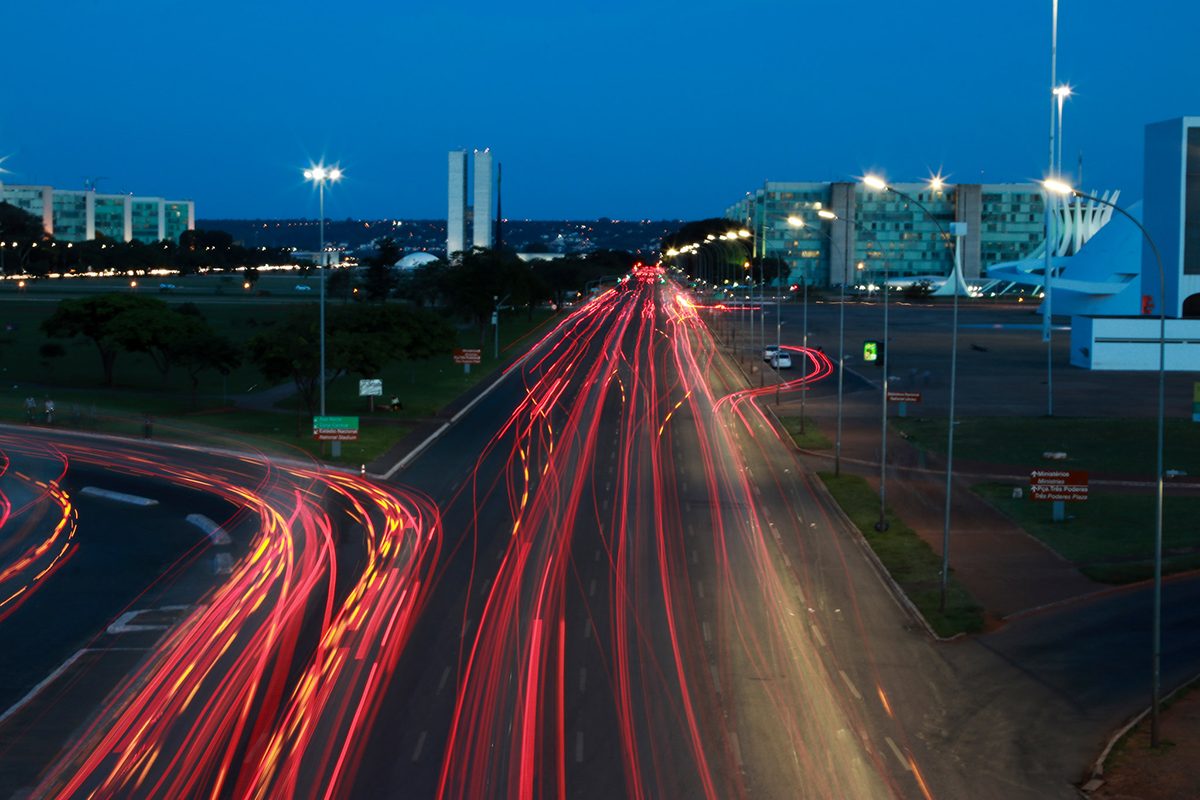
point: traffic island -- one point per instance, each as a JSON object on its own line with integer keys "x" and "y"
{"x": 909, "y": 560}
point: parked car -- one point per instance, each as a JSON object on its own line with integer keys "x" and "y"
{"x": 782, "y": 360}
{"x": 769, "y": 351}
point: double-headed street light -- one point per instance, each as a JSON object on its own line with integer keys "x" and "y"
{"x": 935, "y": 184}
{"x": 1060, "y": 187}
{"x": 320, "y": 175}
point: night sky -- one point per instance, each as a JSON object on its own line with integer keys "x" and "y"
{"x": 620, "y": 109}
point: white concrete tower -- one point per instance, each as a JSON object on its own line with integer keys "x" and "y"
{"x": 456, "y": 215}
{"x": 483, "y": 199}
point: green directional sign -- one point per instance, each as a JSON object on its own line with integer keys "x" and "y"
{"x": 335, "y": 429}
{"x": 871, "y": 351}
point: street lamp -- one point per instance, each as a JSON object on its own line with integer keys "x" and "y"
{"x": 320, "y": 175}
{"x": 830, "y": 216}
{"x": 1060, "y": 187}
{"x": 935, "y": 183}
{"x": 877, "y": 183}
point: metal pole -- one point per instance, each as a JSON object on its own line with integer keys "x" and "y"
{"x": 496, "y": 327}
{"x": 778, "y": 333}
{"x": 1048, "y": 320}
{"x": 321, "y": 373}
{"x": 804, "y": 359}
{"x": 1156, "y": 634}
{"x": 950, "y": 426}
{"x": 837, "y": 449}
{"x": 882, "y": 524}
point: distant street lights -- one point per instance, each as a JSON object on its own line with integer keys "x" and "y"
{"x": 1060, "y": 187}
{"x": 320, "y": 175}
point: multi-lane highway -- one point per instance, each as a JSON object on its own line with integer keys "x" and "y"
{"x": 610, "y": 579}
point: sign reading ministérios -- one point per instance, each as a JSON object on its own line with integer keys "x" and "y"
{"x": 468, "y": 356}
{"x": 335, "y": 429}
{"x": 1058, "y": 484}
{"x": 904, "y": 397}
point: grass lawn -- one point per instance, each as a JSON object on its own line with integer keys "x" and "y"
{"x": 1112, "y": 446}
{"x": 811, "y": 439}
{"x": 908, "y": 559}
{"x": 74, "y": 382}
{"x": 1110, "y": 536}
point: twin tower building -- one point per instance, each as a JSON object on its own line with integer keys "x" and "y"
{"x": 481, "y": 211}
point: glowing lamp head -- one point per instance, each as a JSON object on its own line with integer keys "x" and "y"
{"x": 1062, "y": 91}
{"x": 936, "y": 183}
{"x": 1055, "y": 186}
{"x": 335, "y": 174}
{"x": 825, "y": 213}
{"x": 745, "y": 234}
{"x": 874, "y": 182}
{"x": 795, "y": 222}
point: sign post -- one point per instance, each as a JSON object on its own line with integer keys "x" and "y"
{"x": 467, "y": 358}
{"x": 1058, "y": 486}
{"x": 335, "y": 429}
{"x": 370, "y": 388}
{"x": 903, "y": 398}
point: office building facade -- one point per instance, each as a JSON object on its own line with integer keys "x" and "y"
{"x": 77, "y": 216}
{"x": 890, "y": 236}
{"x": 456, "y": 214}
{"x": 482, "y": 211}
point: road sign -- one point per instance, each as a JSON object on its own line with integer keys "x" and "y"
{"x": 462, "y": 356}
{"x": 335, "y": 429}
{"x": 871, "y": 351}
{"x": 904, "y": 397}
{"x": 1058, "y": 484}
{"x": 371, "y": 387}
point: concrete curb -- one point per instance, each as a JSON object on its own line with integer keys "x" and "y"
{"x": 1098, "y": 764}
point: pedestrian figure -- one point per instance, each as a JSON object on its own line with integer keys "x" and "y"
{"x": 49, "y": 411}
{"x": 396, "y": 404}
{"x": 30, "y": 410}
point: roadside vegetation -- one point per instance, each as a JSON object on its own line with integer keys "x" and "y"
{"x": 811, "y": 438}
{"x": 195, "y": 358}
{"x": 911, "y": 562}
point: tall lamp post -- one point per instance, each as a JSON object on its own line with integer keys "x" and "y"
{"x": 1061, "y": 188}
{"x": 1048, "y": 267}
{"x": 320, "y": 175}
{"x": 935, "y": 184}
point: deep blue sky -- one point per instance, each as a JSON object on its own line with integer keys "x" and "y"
{"x": 622, "y": 109}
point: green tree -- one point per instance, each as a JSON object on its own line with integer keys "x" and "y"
{"x": 152, "y": 328}
{"x": 291, "y": 350}
{"x": 201, "y": 349}
{"x": 381, "y": 277}
{"x": 22, "y": 232}
{"x": 95, "y": 318}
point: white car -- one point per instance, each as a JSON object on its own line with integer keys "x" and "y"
{"x": 781, "y": 360}
{"x": 769, "y": 351}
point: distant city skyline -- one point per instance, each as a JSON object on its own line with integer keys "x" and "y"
{"x": 619, "y": 111}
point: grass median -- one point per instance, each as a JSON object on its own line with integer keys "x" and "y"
{"x": 810, "y": 438}
{"x": 911, "y": 562}
{"x": 1109, "y": 536}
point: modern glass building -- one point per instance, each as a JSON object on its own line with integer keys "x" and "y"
{"x": 890, "y": 235}
{"x": 76, "y": 216}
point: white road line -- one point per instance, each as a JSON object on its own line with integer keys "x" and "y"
{"x": 118, "y": 497}
{"x": 463, "y": 633}
{"x": 483, "y": 589}
{"x": 597, "y": 556}
{"x": 683, "y": 485}
{"x": 849, "y": 684}
{"x": 420, "y": 746}
{"x": 817, "y": 635}
{"x": 899, "y": 754}
{"x": 49, "y": 679}
{"x": 592, "y": 588}
{"x": 787, "y": 562}
{"x": 691, "y": 530}
{"x": 604, "y": 505}
{"x": 578, "y": 747}
{"x": 582, "y": 679}
{"x": 442, "y": 681}
{"x": 687, "y": 507}
{"x": 695, "y": 557}
{"x": 608, "y": 486}
{"x": 737, "y": 749}
{"x": 700, "y": 589}
{"x": 716, "y": 676}
{"x": 758, "y": 491}
{"x": 707, "y": 632}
